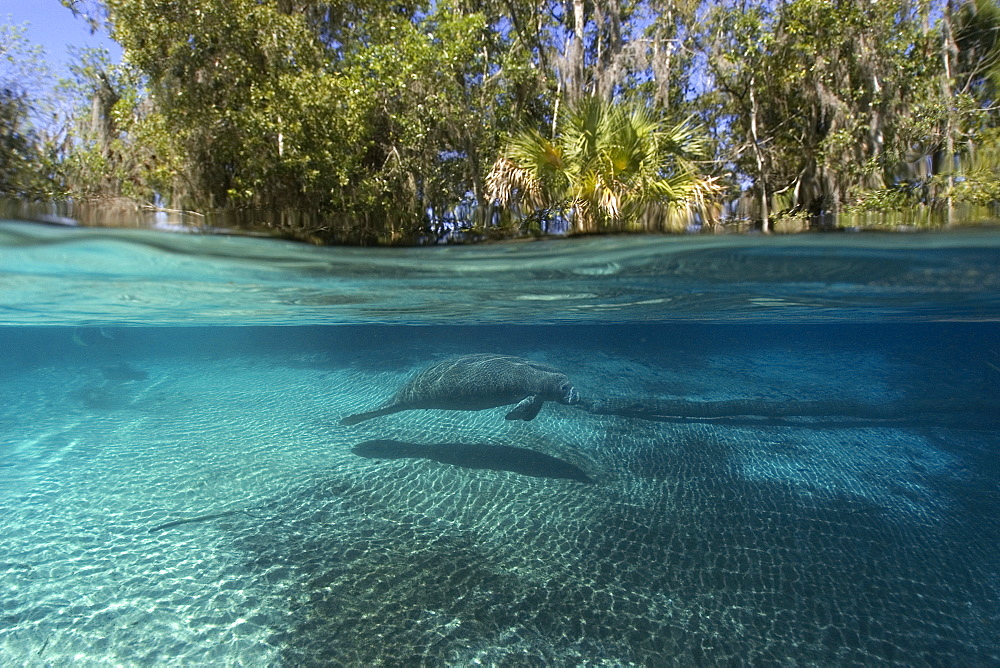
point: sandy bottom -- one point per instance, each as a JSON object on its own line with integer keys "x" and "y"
{"x": 461, "y": 538}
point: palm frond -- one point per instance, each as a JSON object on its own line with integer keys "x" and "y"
{"x": 610, "y": 165}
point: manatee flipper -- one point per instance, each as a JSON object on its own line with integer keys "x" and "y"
{"x": 361, "y": 417}
{"x": 527, "y": 408}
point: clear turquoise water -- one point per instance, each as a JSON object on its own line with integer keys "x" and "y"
{"x": 786, "y": 453}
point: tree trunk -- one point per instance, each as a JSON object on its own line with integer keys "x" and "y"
{"x": 759, "y": 156}
{"x": 948, "y": 50}
{"x": 574, "y": 54}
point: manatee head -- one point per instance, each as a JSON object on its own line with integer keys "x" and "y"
{"x": 567, "y": 393}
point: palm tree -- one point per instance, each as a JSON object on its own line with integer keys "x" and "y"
{"x": 611, "y": 166}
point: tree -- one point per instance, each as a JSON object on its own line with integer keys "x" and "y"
{"x": 611, "y": 166}
{"x": 967, "y": 158}
{"x": 739, "y": 47}
{"x": 373, "y": 121}
{"x": 947, "y": 160}
{"x": 26, "y": 158}
{"x": 377, "y": 115}
{"x": 237, "y": 84}
{"x": 819, "y": 92}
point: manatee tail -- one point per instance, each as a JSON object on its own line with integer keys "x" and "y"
{"x": 361, "y": 417}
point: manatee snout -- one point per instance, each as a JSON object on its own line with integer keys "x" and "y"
{"x": 570, "y": 395}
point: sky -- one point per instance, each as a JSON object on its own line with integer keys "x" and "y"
{"x": 54, "y": 28}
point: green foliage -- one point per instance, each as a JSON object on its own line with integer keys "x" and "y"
{"x": 977, "y": 40}
{"x": 107, "y": 153}
{"x": 381, "y": 122}
{"x": 827, "y": 88}
{"x": 27, "y": 161}
{"x": 227, "y": 80}
{"x": 609, "y": 167}
{"x": 371, "y": 113}
{"x": 948, "y": 154}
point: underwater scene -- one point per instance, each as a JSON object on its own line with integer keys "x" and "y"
{"x": 623, "y": 451}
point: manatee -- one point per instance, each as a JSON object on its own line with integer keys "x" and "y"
{"x": 477, "y": 382}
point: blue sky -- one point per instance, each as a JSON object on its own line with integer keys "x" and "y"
{"x": 54, "y": 27}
